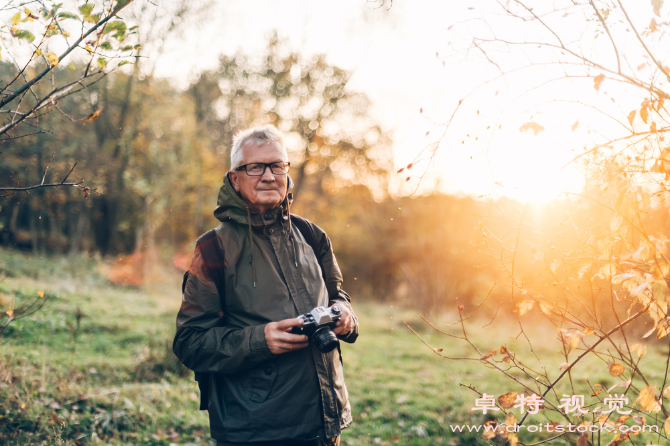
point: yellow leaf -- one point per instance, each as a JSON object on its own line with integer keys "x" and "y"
{"x": 10, "y": 313}
{"x": 644, "y": 114}
{"x": 615, "y": 222}
{"x": 507, "y": 400}
{"x": 588, "y": 331}
{"x": 546, "y": 307}
{"x": 90, "y": 117}
{"x": 598, "y": 80}
{"x": 653, "y": 25}
{"x": 657, "y": 5}
{"x": 524, "y": 307}
{"x": 40, "y": 293}
{"x": 512, "y": 439}
{"x": 617, "y": 369}
{"x": 564, "y": 366}
{"x": 52, "y": 59}
{"x": 16, "y": 18}
{"x": 666, "y": 426}
{"x": 38, "y": 52}
{"x": 488, "y": 355}
{"x": 631, "y": 116}
{"x": 503, "y": 350}
{"x": 573, "y": 342}
{"x": 510, "y": 419}
{"x": 507, "y": 359}
{"x": 602, "y": 418}
{"x": 89, "y": 49}
{"x": 647, "y": 400}
{"x": 622, "y": 420}
{"x": 666, "y": 392}
{"x": 652, "y": 127}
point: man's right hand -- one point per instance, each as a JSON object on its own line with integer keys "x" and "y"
{"x": 280, "y": 341}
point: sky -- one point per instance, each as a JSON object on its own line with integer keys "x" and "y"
{"x": 416, "y": 61}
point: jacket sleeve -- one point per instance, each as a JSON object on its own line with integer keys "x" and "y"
{"x": 336, "y": 295}
{"x": 202, "y": 343}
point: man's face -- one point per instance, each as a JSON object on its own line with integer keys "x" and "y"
{"x": 266, "y": 191}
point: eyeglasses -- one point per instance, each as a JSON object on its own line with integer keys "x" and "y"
{"x": 258, "y": 169}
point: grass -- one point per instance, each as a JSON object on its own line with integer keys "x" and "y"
{"x": 112, "y": 379}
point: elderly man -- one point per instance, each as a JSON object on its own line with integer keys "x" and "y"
{"x": 249, "y": 281}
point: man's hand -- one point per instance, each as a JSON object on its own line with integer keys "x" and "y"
{"x": 346, "y": 322}
{"x": 280, "y": 341}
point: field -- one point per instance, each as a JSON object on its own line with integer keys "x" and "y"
{"x": 112, "y": 379}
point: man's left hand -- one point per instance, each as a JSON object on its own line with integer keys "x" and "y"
{"x": 346, "y": 322}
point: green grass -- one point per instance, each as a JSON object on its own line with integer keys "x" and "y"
{"x": 115, "y": 381}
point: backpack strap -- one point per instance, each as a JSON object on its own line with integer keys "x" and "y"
{"x": 308, "y": 234}
{"x": 213, "y": 262}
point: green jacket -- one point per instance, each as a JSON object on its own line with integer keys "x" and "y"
{"x": 271, "y": 274}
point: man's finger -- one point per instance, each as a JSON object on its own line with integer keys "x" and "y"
{"x": 291, "y": 338}
{"x": 289, "y": 323}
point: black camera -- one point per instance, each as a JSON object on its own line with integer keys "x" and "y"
{"x": 317, "y": 326}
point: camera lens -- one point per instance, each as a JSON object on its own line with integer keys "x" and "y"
{"x": 325, "y": 340}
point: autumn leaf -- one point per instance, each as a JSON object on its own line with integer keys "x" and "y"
{"x": 90, "y": 117}
{"x": 598, "y": 80}
{"x": 512, "y": 439}
{"x": 647, "y": 400}
{"x": 503, "y": 350}
{"x": 488, "y": 355}
{"x": 530, "y": 125}
{"x": 588, "y": 331}
{"x": 615, "y": 222}
{"x": 573, "y": 342}
{"x": 666, "y": 426}
{"x": 575, "y": 126}
{"x": 653, "y": 25}
{"x": 507, "y": 359}
{"x": 631, "y": 116}
{"x": 507, "y": 400}
{"x": 564, "y": 366}
{"x": 545, "y": 308}
{"x": 601, "y": 419}
{"x": 16, "y": 18}
{"x": 583, "y": 440}
{"x": 40, "y": 293}
{"x": 617, "y": 369}
{"x": 622, "y": 420}
{"x": 524, "y": 307}
{"x": 657, "y": 5}
{"x": 652, "y": 127}
{"x": 52, "y": 59}
{"x": 639, "y": 348}
{"x": 644, "y": 114}
{"x": 510, "y": 419}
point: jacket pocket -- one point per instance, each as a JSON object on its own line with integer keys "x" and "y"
{"x": 259, "y": 381}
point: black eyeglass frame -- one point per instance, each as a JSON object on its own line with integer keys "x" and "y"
{"x": 265, "y": 166}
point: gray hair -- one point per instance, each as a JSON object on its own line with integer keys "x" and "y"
{"x": 256, "y": 136}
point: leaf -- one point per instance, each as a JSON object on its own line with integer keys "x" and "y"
{"x": 524, "y": 307}
{"x": 663, "y": 331}
{"x": 644, "y": 114}
{"x": 583, "y": 440}
{"x": 653, "y": 25}
{"x": 90, "y": 117}
{"x": 647, "y": 400}
{"x": 23, "y": 34}
{"x": 639, "y": 348}
{"x": 575, "y": 126}
{"x": 106, "y": 46}
{"x": 101, "y": 62}
{"x": 503, "y": 350}
{"x": 601, "y": 419}
{"x": 52, "y": 59}
{"x": 530, "y": 125}
{"x": 40, "y": 293}
{"x": 657, "y": 5}
{"x": 16, "y": 18}
{"x": 118, "y": 26}
{"x": 631, "y": 116}
{"x": 621, "y": 277}
{"x": 617, "y": 369}
{"x": 488, "y": 355}
{"x": 599, "y": 387}
{"x": 638, "y": 289}
{"x": 588, "y": 331}
{"x": 507, "y": 400}
{"x": 545, "y": 308}
{"x": 68, "y": 15}
{"x": 510, "y": 419}
{"x": 555, "y": 265}
{"x": 615, "y": 222}
{"x": 598, "y": 80}
{"x": 564, "y": 366}
{"x": 573, "y": 342}
{"x": 652, "y": 127}
{"x": 666, "y": 426}
{"x": 121, "y": 4}
{"x": 86, "y": 9}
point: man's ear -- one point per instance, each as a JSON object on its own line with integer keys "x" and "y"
{"x": 234, "y": 180}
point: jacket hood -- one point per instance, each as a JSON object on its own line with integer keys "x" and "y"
{"x": 231, "y": 206}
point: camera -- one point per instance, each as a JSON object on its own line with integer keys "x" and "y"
{"x": 317, "y": 326}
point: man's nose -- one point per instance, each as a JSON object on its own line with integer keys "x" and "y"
{"x": 267, "y": 175}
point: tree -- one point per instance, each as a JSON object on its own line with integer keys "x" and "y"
{"x": 26, "y": 94}
{"x": 596, "y": 271}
